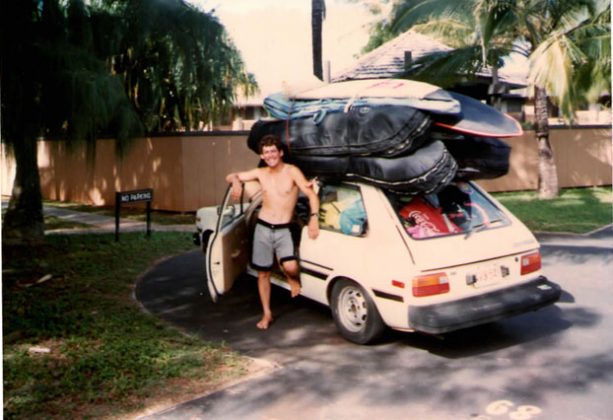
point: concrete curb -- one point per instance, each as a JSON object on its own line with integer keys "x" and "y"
{"x": 598, "y": 238}
{"x": 595, "y": 232}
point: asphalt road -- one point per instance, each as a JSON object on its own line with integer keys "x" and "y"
{"x": 556, "y": 363}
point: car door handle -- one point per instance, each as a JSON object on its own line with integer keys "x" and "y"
{"x": 235, "y": 254}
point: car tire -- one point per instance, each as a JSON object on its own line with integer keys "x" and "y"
{"x": 204, "y": 242}
{"x": 355, "y": 314}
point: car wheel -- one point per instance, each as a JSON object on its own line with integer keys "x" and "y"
{"x": 355, "y": 314}
{"x": 204, "y": 242}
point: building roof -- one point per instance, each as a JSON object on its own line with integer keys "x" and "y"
{"x": 388, "y": 60}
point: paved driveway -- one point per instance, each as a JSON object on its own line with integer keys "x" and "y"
{"x": 556, "y": 363}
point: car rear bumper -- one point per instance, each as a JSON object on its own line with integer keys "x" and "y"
{"x": 450, "y": 316}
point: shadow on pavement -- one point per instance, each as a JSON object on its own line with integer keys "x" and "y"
{"x": 175, "y": 290}
{"x": 524, "y": 358}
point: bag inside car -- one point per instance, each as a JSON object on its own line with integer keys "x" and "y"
{"x": 458, "y": 208}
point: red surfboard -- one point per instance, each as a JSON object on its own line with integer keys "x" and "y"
{"x": 479, "y": 119}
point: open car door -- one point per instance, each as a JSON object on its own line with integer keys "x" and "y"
{"x": 227, "y": 253}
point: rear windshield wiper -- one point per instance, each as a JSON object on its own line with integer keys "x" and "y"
{"x": 480, "y": 227}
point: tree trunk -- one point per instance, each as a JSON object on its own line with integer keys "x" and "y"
{"x": 23, "y": 223}
{"x": 318, "y": 11}
{"x": 548, "y": 175}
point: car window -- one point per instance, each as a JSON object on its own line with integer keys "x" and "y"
{"x": 342, "y": 209}
{"x": 229, "y": 213}
{"x": 458, "y": 208}
{"x": 234, "y": 208}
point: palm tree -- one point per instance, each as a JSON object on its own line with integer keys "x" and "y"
{"x": 565, "y": 40}
{"x": 318, "y": 13}
{"x": 78, "y": 71}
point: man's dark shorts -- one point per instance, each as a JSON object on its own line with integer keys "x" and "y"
{"x": 270, "y": 240}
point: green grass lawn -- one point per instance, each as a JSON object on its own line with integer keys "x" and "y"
{"x": 576, "y": 210}
{"x": 76, "y": 344}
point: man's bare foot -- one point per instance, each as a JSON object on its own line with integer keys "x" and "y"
{"x": 264, "y": 322}
{"x": 294, "y": 287}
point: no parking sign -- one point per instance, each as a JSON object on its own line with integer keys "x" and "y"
{"x": 134, "y": 196}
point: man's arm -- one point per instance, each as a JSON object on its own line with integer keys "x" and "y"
{"x": 237, "y": 179}
{"x": 307, "y": 189}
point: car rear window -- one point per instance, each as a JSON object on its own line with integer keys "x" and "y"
{"x": 458, "y": 208}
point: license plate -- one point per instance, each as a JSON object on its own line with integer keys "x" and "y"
{"x": 487, "y": 276}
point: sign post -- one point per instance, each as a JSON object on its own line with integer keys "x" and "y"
{"x": 135, "y": 196}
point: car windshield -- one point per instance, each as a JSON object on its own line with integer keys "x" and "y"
{"x": 458, "y": 209}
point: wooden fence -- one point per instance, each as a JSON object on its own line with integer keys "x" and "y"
{"x": 187, "y": 171}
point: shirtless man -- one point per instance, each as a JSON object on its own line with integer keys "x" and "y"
{"x": 280, "y": 183}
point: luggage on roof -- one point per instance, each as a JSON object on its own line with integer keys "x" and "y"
{"x": 401, "y": 92}
{"x": 426, "y": 170}
{"x": 479, "y": 119}
{"x": 406, "y": 136}
{"x": 386, "y": 130}
{"x": 479, "y": 157}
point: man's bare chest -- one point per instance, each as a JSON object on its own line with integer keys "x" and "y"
{"x": 279, "y": 187}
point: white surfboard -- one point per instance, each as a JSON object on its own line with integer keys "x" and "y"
{"x": 385, "y": 91}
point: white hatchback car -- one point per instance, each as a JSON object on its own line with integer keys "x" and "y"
{"x": 433, "y": 264}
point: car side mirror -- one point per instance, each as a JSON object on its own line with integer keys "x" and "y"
{"x": 228, "y": 210}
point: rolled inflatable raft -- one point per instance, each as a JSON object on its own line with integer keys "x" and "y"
{"x": 426, "y": 170}
{"x": 479, "y": 157}
{"x": 386, "y": 130}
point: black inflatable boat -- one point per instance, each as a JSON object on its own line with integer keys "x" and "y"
{"x": 428, "y": 169}
{"x": 386, "y": 130}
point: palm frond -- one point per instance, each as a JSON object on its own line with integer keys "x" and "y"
{"x": 448, "y": 68}
{"x": 408, "y": 14}
{"x": 454, "y": 33}
{"x": 552, "y": 66}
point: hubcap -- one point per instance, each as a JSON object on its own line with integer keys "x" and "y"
{"x": 352, "y": 309}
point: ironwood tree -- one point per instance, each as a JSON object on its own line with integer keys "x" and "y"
{"x": 112, "y": 67}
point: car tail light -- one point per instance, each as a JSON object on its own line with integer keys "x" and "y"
{"x": 430, "y": 284}
{"x": 530, "y": 262}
